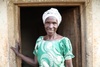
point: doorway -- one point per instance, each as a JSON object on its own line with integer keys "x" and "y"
{"x": 32, "y": 27}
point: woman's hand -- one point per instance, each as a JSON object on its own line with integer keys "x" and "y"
{"x": 16, "y": 49}
{"x": 31, "y": 61}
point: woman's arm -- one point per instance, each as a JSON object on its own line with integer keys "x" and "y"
{"x": 68, "y": 63}
{"x": 30, "y": 61}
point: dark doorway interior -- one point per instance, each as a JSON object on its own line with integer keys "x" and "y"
{"x": 32, "y": 27}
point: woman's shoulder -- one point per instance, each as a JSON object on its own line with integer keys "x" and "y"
{"x": 63, "y": 37}
{"x": 39, "y": 38}
{"x": 59, "y": 37}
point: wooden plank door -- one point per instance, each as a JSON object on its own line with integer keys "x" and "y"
{"x": 70, "y": 27}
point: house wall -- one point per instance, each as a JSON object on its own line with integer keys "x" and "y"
{"x": 4, "y": 47}
{"x": 96, "y": 32}
{"x": 90, "y": 29}
{"x": 89, "y": 34}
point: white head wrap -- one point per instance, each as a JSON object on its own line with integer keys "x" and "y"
{"x": 52, "y": 12}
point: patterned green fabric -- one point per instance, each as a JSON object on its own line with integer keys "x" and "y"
{"x": 53, "y": 53}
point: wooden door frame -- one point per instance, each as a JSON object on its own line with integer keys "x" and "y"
{"x": 17, "y": 6}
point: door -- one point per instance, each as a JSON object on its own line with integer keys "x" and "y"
{"x": 70, "y": 27}
{"x": 32, "y": 28}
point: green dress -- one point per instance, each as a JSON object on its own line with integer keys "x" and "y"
{"x": 53, "y": 53}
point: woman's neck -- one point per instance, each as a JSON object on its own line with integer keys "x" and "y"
{"x": 51, "y": 37}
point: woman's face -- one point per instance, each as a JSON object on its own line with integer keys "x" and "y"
{"x": 51, "y": 25}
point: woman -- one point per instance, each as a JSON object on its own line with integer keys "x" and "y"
{"x": 51, "y": 50}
